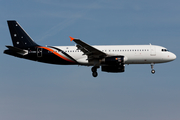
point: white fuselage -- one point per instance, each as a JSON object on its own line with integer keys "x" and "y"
{"x": 134, "y": 54}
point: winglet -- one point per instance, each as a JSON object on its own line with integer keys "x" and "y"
{"x": 71, "y": 38}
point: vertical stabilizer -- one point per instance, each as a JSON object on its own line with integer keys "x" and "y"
{"x": 19, "y": 37}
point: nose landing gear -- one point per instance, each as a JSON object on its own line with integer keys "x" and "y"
{"x": 152, "y": 71}
{"x": 152, "y": 66}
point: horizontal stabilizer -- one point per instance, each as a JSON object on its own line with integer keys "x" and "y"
{"x": 18, "y": 50}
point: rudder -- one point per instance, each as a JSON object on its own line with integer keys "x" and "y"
{"x": 19, "y": 37}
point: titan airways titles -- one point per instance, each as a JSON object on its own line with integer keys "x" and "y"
{"x": 111, "y": 58}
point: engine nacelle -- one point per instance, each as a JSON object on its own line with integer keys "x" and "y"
{"x": 113, "y": 60}
{"x": 113, "y": 64}
{"x": 118, "y": 68}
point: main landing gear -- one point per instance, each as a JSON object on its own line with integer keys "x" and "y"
{"x": 94, "y": 71}
{"x": 152, "y": 66}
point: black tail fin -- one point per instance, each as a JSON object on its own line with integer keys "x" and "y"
{"x": 19, "y": 37}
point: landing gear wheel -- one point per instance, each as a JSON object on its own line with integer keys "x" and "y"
{"x": 94, "y": 74}
{"x": 152, "y": 66}
{"x": 94, "y": 69}
{"x": 152, "y": 71}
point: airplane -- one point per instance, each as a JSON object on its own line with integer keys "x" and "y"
{"x": 111, "y": 58}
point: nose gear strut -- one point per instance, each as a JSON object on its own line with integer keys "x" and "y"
{"x": 152, "y": 67}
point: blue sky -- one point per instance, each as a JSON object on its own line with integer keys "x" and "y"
{"x": 31, "y": 90}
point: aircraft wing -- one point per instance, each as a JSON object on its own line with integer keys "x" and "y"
{"x": 88, "y": 50}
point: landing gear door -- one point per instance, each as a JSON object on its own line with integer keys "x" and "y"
{"x": 153, "y": 50}
{"x": 39, "y": 52}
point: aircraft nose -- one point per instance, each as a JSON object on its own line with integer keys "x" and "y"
{"x": 173, "y": 56}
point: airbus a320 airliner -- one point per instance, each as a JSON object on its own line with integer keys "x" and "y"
{"x": 111, "y": 58}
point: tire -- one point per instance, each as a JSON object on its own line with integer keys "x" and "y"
{"x": 152, "y": 71}
{"x": 94, "y": 74}
{"x": 93, "y": 69}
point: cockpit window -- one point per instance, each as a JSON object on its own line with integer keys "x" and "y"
{"x": 164, "y": 50}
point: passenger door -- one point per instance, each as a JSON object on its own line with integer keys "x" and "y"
{"x": 39, "y": 52}
{"x": 152, "y": 50}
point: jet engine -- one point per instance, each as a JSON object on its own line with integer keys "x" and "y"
{"x": 113, "y": 64}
